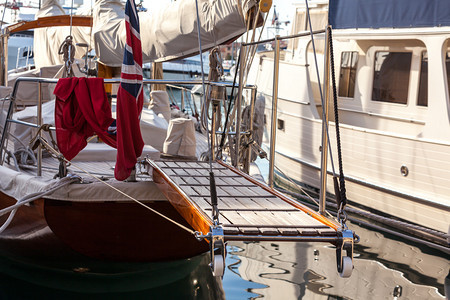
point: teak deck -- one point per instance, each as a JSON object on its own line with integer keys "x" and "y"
{"x": 249, "y": 210}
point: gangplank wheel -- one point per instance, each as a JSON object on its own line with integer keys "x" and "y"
{"x": 344, "y": 253}
{"x": 347, "y": 267}
{"x": 218, "y": 265}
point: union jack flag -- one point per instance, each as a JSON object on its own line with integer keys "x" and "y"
{"x": 129, "y": 98}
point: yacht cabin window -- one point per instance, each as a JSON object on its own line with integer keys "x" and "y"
{"x": 391, "y": 76}
{"x": 422, "y": 99}
{"x": 347, "y": 76}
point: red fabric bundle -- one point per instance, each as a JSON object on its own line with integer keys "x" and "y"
{"x": 82, "y": 109}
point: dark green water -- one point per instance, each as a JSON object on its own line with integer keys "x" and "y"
{"x": 253, "y": 270}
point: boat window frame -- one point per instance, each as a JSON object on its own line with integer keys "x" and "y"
{"x": 350, "y": 93}
{"x": 447, "y": 67}
{"x": 420, "y": 81}
{"x": 407, "y": 93}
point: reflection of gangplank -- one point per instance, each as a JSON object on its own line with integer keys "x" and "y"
{"x": 247, "y": 210}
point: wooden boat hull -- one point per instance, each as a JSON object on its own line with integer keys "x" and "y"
{"x": 54, "y": 230}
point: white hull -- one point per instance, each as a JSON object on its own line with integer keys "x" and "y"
{"x": 377, "y": 138}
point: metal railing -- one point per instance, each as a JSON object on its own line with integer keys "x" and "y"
{"x": 38, "y": 124}
{"x": 273, "y": 130}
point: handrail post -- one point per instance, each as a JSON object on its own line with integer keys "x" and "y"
{"x": 250, "y": 133}
{"x": 215, "y": 106}
{"x": 238, "y": 103}
{"x": 182, "y": 99}
{"x": 39, "y": 123}
{"x": 273, "y": 125}
{"x": 324, "y": 153}
{"x": 3, "y": 59}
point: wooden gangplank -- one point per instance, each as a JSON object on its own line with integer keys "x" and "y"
{"x": 248, "y": 209}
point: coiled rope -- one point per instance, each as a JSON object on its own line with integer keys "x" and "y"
{"x": 67, "y": 50}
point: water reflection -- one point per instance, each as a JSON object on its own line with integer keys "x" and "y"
{"x": 384, "y": 267}
{"x": 18, "y": 281}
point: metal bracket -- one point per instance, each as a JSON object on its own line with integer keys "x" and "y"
{"x": 345, "y": 262}
{"x": 217, "y": 251}
{"x": 216, "y": 248}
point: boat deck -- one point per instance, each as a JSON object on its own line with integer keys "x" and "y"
{"x": 247, "y": 208}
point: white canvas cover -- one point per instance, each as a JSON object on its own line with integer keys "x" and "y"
{"x": 153, "y": 129}
{"x": 180, "y": 139}
{"x": 27, "y": 93}
{"x": 160, "y": 103}
{"x": 165, "y": 35}
{"x": 18, "y": 185}
{"x": 48, "y": 40}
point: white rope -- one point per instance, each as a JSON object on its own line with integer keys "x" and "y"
{"x": 131, "y": 198}
{"x": 30, "y": 198}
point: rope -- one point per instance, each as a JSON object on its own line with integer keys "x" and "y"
{"x": 224, "y": 133}
{"x": 213, "y": 92}
{"x": 67, "y": 49}
{"x": 407, "y": 227}
{"x": 343, "y": 197}
{"x": 249, "y": 60}
{"x": 131, "y": 198}
{"x": 60, "y": 157}
{"x": 211, "y": 174}
{"x": 32, "y": 197}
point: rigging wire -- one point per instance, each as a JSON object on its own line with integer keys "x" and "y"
{"x": 4, "y": 10}
{"x": 212, "y": 184}
{"x": 59, "y": 156}
{"x": 320, "y": 86}
{"x": 232, "y": 96}
{"x": 130, "y": 197}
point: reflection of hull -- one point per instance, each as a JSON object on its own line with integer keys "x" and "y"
{"x": 99, "y": 233}
{"x": 291, "y": 270}
{"x": 181, "y": 279}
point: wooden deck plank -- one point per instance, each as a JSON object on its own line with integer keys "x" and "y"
{"x": 231, "y": 202}
{"x": 203, "y": 203}
{"x": 253, "y": 218}
{"x": 231, "y": 230}
{"x": 244, "y": 207}
{"x": 269, "y": 231}
{"x": 234, "y": 218}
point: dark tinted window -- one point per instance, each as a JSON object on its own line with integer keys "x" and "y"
{"x": 391, "y": 77}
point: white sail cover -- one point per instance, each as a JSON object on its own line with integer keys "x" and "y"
{"x": 48, "y": 40}
{"x": 167, "y": 34}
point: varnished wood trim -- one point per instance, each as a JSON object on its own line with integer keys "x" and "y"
{"x": 50, "y": 22}
{"x": 182, "y": 203}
